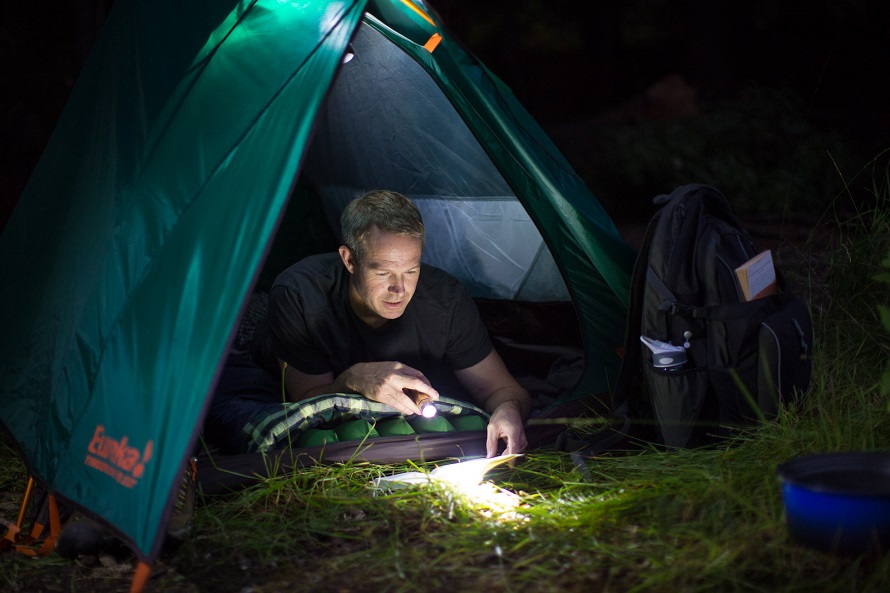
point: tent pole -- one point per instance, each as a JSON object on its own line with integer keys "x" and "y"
{"x": 12, "y": 537}
{"x": 29, "y": 490}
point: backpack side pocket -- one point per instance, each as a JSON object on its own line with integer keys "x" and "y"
{"x": 682, "y": 405}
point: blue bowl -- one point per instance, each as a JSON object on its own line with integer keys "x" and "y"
{"x": 838, "y": 502}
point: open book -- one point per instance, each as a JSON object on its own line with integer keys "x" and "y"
{"x": 757, "y": 276}
{"x": 463, "y": 473}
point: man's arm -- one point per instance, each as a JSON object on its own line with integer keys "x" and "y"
{"x": 492, "y": 385}
{"x": 382, "y": 382}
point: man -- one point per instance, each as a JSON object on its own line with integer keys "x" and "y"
{"x": 371, "y": 319}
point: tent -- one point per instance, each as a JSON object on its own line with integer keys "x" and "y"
{"x": 204, "y": 145}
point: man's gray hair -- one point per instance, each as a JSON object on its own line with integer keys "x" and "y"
{"x": 389, "y": 211}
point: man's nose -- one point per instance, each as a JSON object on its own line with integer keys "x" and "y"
{"x": 398, "y": 285}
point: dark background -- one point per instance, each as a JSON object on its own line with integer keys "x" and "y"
{"x": 615, "y": 83}
{"x": 570, "y": 58}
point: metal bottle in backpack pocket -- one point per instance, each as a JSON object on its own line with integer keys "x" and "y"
{"x": 665, "y": 356}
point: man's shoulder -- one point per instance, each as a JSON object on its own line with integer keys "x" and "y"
{"x": 324, "y": 267}
{"x": 438, "y": 285}
{"x": 436, "y": 276}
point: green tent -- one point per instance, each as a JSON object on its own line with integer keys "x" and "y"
{"x": 205, "y": 145}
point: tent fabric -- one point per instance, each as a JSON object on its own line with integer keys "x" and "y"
{"x": 136, "y": 243}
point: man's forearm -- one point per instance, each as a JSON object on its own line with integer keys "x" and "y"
{"x": 339, "y": 385}
{"x": 510, "y": 395}
{"x": 299, "y": 386}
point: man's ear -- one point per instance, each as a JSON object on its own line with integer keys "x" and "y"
{"x": 347, "y": 258}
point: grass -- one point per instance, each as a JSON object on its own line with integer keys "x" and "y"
{"x": 699, "y": 520}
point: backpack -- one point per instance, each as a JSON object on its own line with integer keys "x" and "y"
{"x": 700, "y": 361}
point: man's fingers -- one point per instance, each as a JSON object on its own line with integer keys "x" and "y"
{"x": 515, "y": 440}
{"x": 491, "y": 442}
{"x": 424, "y": 388}
{"x": 418, "y": 382}
{"x": 400, "y": 376}
{"x": 398, "y": 400}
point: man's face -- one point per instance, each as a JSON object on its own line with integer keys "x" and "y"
{"x": 384, "y": 280}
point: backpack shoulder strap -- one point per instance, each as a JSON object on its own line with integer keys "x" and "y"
{"x": 631, "y": 362}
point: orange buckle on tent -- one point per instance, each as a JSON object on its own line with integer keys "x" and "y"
{"x": 432, "y": 42}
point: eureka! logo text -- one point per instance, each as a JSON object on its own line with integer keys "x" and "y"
{"x": 117, "y": 458}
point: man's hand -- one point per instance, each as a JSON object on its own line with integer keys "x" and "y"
{"x": 385, "y": 382}
{"x": 382, "y": 382}
{"x": 506, "y": 423}
{"x": 492, "y": 386}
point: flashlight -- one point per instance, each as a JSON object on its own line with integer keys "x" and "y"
{"x": 423, "y": 401}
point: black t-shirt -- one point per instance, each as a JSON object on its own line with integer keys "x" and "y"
{"x": 311, "y": 325}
